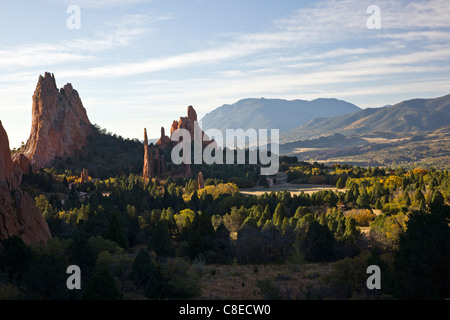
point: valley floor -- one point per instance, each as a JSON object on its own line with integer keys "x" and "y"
{"x": 292, "y": 188}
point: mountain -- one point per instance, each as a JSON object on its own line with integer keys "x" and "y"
{"x": 273, "y": 113}
{"x": 18, "y": 214}
{"x": 60, "y": 125}
{"x": 407, "y": 116}
{"x": 410, "y": 150}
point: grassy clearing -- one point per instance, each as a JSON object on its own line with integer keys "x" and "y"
{"x": 256, "y": 282}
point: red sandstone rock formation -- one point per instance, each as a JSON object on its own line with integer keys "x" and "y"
{"x": 201, "y": 181}
{"x": 154, "y": 163}
{"x": 163, "y": 140}
{"x": 157, "y": 163}
{"x": 190, "y": 123}
{"x": 23, "y": 162}
{"x": 84, "y": 176}
{"x": 147, "y": 171}
{"x": 60, "y": 125}
{"x": 18, "y": 213}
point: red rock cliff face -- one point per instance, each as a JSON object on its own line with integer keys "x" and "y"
{"x": 18, "y": 213}
{"x": 60, "y": 125}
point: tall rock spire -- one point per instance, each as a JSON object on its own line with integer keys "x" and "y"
{"x": 201, "y": 181}
{"x": 147, "y": 171}
{"x": 163, "y": 140}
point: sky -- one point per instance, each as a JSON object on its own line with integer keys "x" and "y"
{"x": 140, "y": 63}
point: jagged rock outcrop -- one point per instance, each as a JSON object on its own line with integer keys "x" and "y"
{"x": 190, "y": 123}
{"x": 154, "y": 163}
{"x": 163, "y": 140}
{"x": 18, "y": 213}
{"x": 23, "y": 162}
{"x": 201, "y": 181}
{"x": 60, "y": 125}
{"x": 84, "y": 178}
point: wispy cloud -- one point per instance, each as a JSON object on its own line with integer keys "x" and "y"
{"x": 102, "y": 4}
{"x": 121, "y": 33}
{"x": 110, "y": 36}
{"x": 30, "y": 55}
{"x": 324, "y": 23}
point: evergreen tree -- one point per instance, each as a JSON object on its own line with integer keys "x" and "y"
{"x": 318, "y": 243}
{"x": 264, "y": 217}
{"x": 340, "y": 184}
{"x": 42, "y": 203}
{"x": 340, "y": 230}
{"x": 102, "y": 286}
{"x": 351, "y": 230}
{"x": 115, "y": 232}
{"x": 15, "y": 257}
{"x": 160, "y": 241}
{"x": 222, "y": 245}
{"x": 437, "y": 201}
{"x": 250, "y": 221}
{"x": 423, "y": 257}
{"x": 202, "y": 236}
{"x": 363, "y": 200}
{"x": 279, "y": 215}
{"x": 81, "y": 254}
{"x": 147, "y": 275}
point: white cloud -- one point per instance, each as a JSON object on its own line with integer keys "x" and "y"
{"x": 111, "y": 35}
{"x": 103, "y": 4}
{"x": 84, "y": 49}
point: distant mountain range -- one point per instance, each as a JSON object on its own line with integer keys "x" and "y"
{"x": 273, "y": 113}
{"x": 410, "y": 133}
{"x": 407, "y": 116}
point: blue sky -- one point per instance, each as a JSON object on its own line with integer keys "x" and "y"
{"x": 140, "y": 63}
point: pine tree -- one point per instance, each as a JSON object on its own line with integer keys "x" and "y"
{"x": 147, "y": 275}
{"x": 15, "y": 257}
{"x": 340, "y": 184}
{"x": 115, "y": 232}
{"x": 202, "y": 236}
{"x": 279, "y": 215}
{"x": 160, "y": 241}
{"x": 351, "y": 230}
{"x": 422, "y": 261}
{"x": 340, "y": 230}
{"x": 102, "y": 286}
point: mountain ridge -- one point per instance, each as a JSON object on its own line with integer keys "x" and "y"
{"x": 406, "y": 116}
{"x": 262, "y": 113}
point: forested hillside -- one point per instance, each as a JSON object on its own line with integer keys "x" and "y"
{"x": 164, "y": 238}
